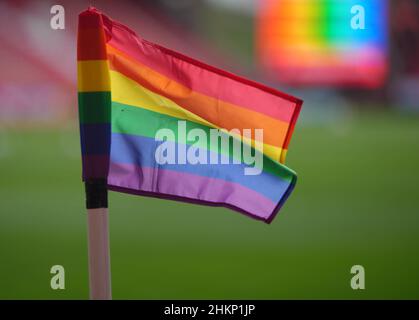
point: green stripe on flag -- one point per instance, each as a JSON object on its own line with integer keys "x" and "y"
{"x": 94, "y": 107}
{"x": 132, "y": 120}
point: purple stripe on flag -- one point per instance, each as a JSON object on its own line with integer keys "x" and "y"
{"x": 95, "y": 166}
{"x": 126, "y": 177}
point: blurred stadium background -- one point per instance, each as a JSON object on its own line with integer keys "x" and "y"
{"x": 355, "y": 148}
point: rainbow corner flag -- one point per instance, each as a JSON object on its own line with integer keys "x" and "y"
{"x": 149, "y": 119}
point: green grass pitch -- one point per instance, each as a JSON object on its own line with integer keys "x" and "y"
{"x": 356, "y": 202}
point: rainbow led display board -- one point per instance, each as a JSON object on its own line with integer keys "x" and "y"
{"x": 312, "y": 42}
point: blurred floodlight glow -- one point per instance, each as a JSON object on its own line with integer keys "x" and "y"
{"x": 311, "y": 42}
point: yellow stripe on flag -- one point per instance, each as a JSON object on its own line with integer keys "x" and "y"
{"x": 129, "y": 92}
{"x": 93, "y": 76}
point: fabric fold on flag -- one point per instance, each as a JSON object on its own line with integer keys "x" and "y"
{"x": 130, "y": 89}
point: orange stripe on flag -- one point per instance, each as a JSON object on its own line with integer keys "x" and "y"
{"x": 220, "y": 113}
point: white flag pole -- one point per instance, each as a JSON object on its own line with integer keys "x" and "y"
{"x": 98, "y": 240}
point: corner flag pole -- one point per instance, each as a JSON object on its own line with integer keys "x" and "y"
{"x": 98, "y": 239}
